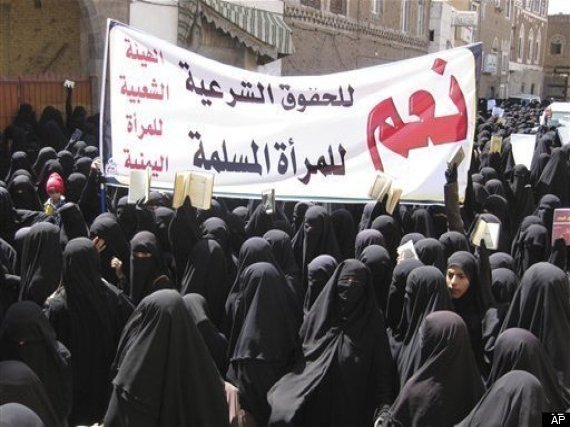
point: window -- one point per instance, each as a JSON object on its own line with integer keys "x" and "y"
{"x": 312, "y": 3}
{"x": 536, "y": 6}
{"x": 406, "y": 15}
{"x": 521, "y": 43}
{"x": 555, "y": 49}
{"x": 522, "y": 87}
{"x": 508, "y": 8}
{"x": 421, "y": 14}
{"x": 530, "y": 46}
{"x": 504, "y": 63}
{"x": 532, "y": 89}
{"x": 338, "y": 6}
{"x": 495, "y": 45}
{"x": 377, "y": 7}
{"x": 537, "y": 48}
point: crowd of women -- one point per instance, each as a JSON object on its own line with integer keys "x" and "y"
{"x": 143, "y": 315}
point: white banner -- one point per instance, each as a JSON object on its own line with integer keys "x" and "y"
{"x": 523, "y": 148}
{"x": 319, "y": 137}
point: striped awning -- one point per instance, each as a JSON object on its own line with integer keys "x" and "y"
{"x": 264, "y": 32}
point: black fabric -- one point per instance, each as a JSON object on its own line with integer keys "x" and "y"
{"x": 19, "y": 384}
{"x": 519, "y": 349}
{"x": 414, "y": 237}
{"x": 391, "y": 231}
{"x": 534, "y": 247}
{"x": 366, "y": 238}
{"x": 148, "y": 273}
{"x": 164, "y": 373}
{"x": 319, "y": 271}
{"x": 106, "y": 227}
{"x": 84, "y": 323}
{"x": 8, "y": 216}
{"x": 51, "y": 166}
{"x": 426, "y": 292}
{"x": 299, "y": 211}
{"x": 282, "y": 248}
{"x": 24, "y": 195}
{"x": 515, "y": 400}
{"x": 501, "y": 260}
{"x": 555, "y": 177}
{"x": 259, "y": 223}
{"x": 447, "y": 385}
{"x": 67, "y": 162}
{"x": 431, "y": 252}
{"x": 346, "y": 370}
{"x": 206, "y": 274}
{"x": 40, "y": 266}
{"x": 72, "y": 223}
{"x": 523, "y": 203}
{"x": 378, "y": 260}
{"x": 453, "y": 241}
{"x": 517, "y": 239}
{"x": 216, "y": 342}
{"x": 372, "y": 210}
{"x": 75, "y": 185}
{"x": 542, "y": 305}
{"x": 395, "y": 302}
{"x": 545, "y": 210}
{"x": 267, "y": 342}
{"x": 26, "y": 335}
{"x": 8, "y": 257}
{"x": 217, "y": 229}
{"x": 495, "y": 187}
{"x": 345, "y": 232}
{"x": 45, "y": 154}
{"x": 504, "y": 284}
{"x": 18, "y": 415}
{"x": 422, "y": 223}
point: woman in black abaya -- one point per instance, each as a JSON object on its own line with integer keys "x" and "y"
{"x": 216, "y": 228}
{"x": 516, "y": 400}
{"x": 346, "y": 371}
{"x": 280, "y": 243}
{"x": 319, "y": 271}
{"x": 366, "y": 238}
{"x": 345, "y": 231}
{"x": 542, "y": 306}
{"x": 26, "y": 335}
{"x": 378, "y": 260}
{"x": 391, "y": 231}
{"x": 16, "y": 414}
{"x": 165, "y": 376}
{"x": 518, "y": 348}
{"x": 24, "y": 195}
{"x": 41, "y": 262}
{"x": 447, "y": 385}
{"x": 85, "y": 323}
{"x": 267, "y": 344}
{"x": 534, "y": 247}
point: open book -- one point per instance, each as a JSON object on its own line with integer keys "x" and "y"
{"x": 496, "y": 144}
{"x": 456, "y": 157}
{"x": 268, "y": 201}
{"x": 394, "y": 194}
{"x": 139, "y": 186}
{"x": 384, "y": 186}
{"x": 407, "y": 251}
{"x": 488, "y": 232}
{"x": 199, "y": 186}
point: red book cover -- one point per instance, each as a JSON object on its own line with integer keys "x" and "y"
{"x": 561, "y": 225}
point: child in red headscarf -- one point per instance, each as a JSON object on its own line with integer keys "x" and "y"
{"x": 55, "y": 187}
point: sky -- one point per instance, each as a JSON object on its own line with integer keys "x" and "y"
{"x": 558, "y": 6}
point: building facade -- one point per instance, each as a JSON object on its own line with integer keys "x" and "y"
{"x": 557, "y": 58}
{"x": 529, "y": 33}
{"x": 340, "y": 35}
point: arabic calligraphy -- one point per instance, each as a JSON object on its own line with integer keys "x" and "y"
{"x": 144, "y": 92}
{"x": 264, "y": 94}
{"x": 401, "y": 137}
{"x": 140, "y": 163}
{"x": 148, "y": 56}
{"x": 153, "y": 128}
{"x": 260, "y": 160}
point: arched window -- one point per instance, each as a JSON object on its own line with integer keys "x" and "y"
{"x": 521, "y": 44}
{"x": 495, "y": 45}
{"x": 557, "y": 44}
{"x": 537, "y": 47}
{"x": 530, "y": 46}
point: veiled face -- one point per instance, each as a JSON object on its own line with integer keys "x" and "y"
{"x": 457, "y": 282}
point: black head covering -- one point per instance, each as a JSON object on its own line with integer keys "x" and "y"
{"x": 52, "y": 135}
{"x": 267, "y": 340}
{"x": 206, "y": 274}
{"x": 19, "y": 384}
{"x": 504, "y": 283}
{"x": 91, "y": 152}
{"x": 371, "y": 211}
{"x": 391, "y": 231}
{"x": 319, "y": 271}
{"x": 555, "y": 177}
{"x": 414, "y": 237}
{"x": 107, "y": 228}
{"x": 516, "y": 399}
{"x": 26, "y": 335}
{"x": 378, "y": 260}
{"x": 342, "y": 326}
{"x": 75, "y": 185}
{"x": 453, "y": 241}
{"x": 447, "y": 385}
{"x": 40, "y": 266}
{"x": 148, "y": 274}
{"x": 45, "y": 154}
{"x": 19, "y": 161}
{"x": 51, "y": 166}
{"x": 72, "y": 223}
{"x": 345, "y": 231}
{"x": 501, "y": 260}
{"x": 83, "y": 165}
{"x": 259, "y": 223}
{"x": 519, "y": 349}
{"x": 534, "y": 247}
{"x": 395, "y": 302}
{"x": 18, "y": 415}
{"x": 366, "y": 238}
{"x": 8, "y": 216}
{"x": 545, "y": 211}
{"x": 489, "y": 173}
{"x": 422, "y": 222}
{"x": 425, "y": 293}
{"x": 526, "y": 222}
{"x": 478, "y": 178}
{"x": 495, "y": 186}
{"x": 183, "y": 233}
{"x": 24, "y": 195}
{"x": 215, "y": 341}
{"x": 165, "y": 375}
{"x": 280, "y": 243}
{"x": 163, "y": 217}
{"x": 542, "y": 305}
{"x": 431, "y": 252}
{"x": 67, "y": 162}
{"x": 217, "y": 229}
{"x": 536, "y": 170}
